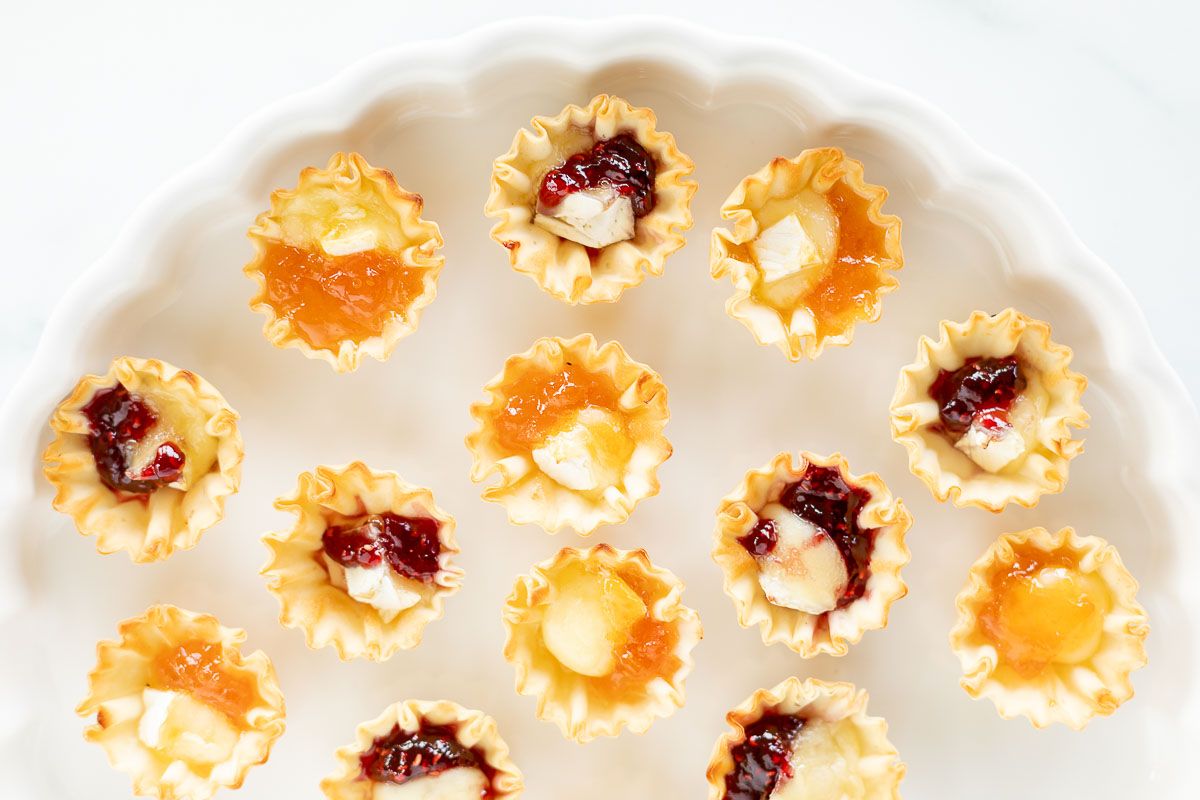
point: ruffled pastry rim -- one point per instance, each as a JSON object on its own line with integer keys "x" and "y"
{"x": 1068, "y": 693}
{"x": 170, "y": 519}
{"x": 933, "y": 458}
{"x": 578, "y": 715}
{"x": 117, "y": 715}
{"x": 480, "y": 730}
{"x": 767, "y": 328}
{"x": 326, "y": 614}
{"x": 563, "y": 268}
{"x": 880, "y": 765}
{"x": 530, "y": 496}
{"x": 424, "y": 238}
{"x": 802, "y": 632}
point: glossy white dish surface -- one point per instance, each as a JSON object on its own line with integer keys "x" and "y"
{"x": 977, "y": 235}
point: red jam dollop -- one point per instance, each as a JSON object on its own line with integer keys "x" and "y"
{"x": 409, "y": 545}
{"x": 402, "y": 756}
{"x": 824, "y": 499}
{"x": 117, "y": 421}
{"x": 620, "y": 163}
{"x": 981, "y": 386}
{"x": 762, "y": 758}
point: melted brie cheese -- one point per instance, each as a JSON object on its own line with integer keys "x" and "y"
{"x": 459, "y": 783}
{"x": 824, "y": 762}
{"x": 588, "y": 617}
{"x": 785, "y": 249}
{"x": 805, "y": 570}
{"x": 584, "y": 456}
{"x": 593, "y": 218}
{"x": 378, "y": 586}
{"x": 181, "y": 727}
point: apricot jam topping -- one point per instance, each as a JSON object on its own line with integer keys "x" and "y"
{"x": 198, "y": 668}
{"x": 402, "y": 756}
{"x": 763, "y": 758}
{"x": 648, "y": 651}
{"x": 542, "y": 402}
{"x": 117, "y": 422}
{"x": 329, "y": 299}
{"x": 824, "y": 499}
{"x": 847, "y": 290}
{"x": 620, "y": 163}
{"x": 984, "y": 387}
{"x": 1043, "y": 610}
{"x": 409, "y": 545}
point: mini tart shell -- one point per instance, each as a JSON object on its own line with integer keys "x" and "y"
{"x": 115, "y": 698}
{"x": 474, "y": 729}
{"x": 880, "y": 769}
{"x": 169, "y": 519}
{"x": 565, "y": 697}
{"x": 1068, "y": 693}
{"x": 564, "y": 268}
{"x": 530, "y": 496}
{"x": 296, "y": 218}
{"x": 300, "y": 582}
{"x": 817, "y": 169}
{"x": 932, "y": 457}
{"x": 809, "y": 634}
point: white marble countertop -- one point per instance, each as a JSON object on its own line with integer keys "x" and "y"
{"x": 103, "y": 102}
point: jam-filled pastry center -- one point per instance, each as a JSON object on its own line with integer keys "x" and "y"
{"x": 384, "y": 560}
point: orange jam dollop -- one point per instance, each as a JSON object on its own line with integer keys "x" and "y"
{"x": 649, "y": 652}
{"x": 847, "y": 293}
{"x": 541, "y": 402}
{"x": 198, "y": 668}
{"x": 330, "y": 299}
{"x": 1043, "y": 610}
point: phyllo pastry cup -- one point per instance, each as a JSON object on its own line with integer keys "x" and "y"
{"x": 179, "y": 708}
{"x": 575, "y": 433}
{"x": 143, "y": 457}
{"x": 592, "y": 200}
{"x": 986, "y": 411}
{"x": 1049, "y": 628}
{"x": 602, "y": 639}
{"x": 818, "y": 739}
{"x": 810, "y": 253}
{"x": 425, "y": 749}
{"x": 344, "y": 263}
{"x": 367, "y": 564}
{"x": 812, "y": 553}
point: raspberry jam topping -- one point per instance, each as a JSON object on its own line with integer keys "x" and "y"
{"x": 620, "y": 163}
{"x": 402, "y": 755}
{"x": 824, "y": 499}
{"x": 117, "y": 421}
{"x": 981, "y": 386}
{"x": 410, "y": 545}
{"x": 762, "y": 758}
{"x": 198, "y": 668}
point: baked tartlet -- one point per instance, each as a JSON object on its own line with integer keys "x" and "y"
{"x": 574, "y": 431}
{"x": 179, "y": 708}
{"x": 367, "y": 564}
{"x": 986, "y": 411}
{"x": 592, "y": 200}
{"x": 343, "y": 263}
{"x": 1049, "y": 628}
{"x": 805, "y": 740}
{"x": 143, "y": 457}
{"x": 811, "y": 552}
{"x": 601, "y": 638}
{"x": 810, "y": 253}
{"x": 425, "y": 750}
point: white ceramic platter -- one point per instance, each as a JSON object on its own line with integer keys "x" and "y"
{"x": 976, "y": 235}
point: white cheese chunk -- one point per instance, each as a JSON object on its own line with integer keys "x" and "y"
{"x": 588, "y": 615}
{"x": 785, "y": 249}
{"x": 181, "y": 727}
{"x": 805, "y": 570}
{"x": 593, "y": 218}
{"x": 350, "y": 241}
{"x": 992, "y": 442}
{"x": 458, "y": 783}
{"x": 567, "y": 458}
{"x": 378, "y": 586}
{"x": 824, "y": 762}
{"x": 156, "y": 704}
